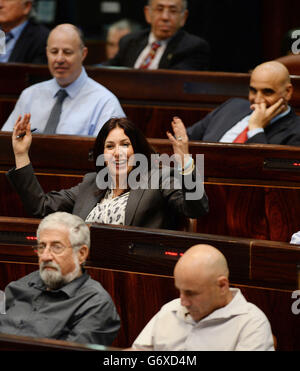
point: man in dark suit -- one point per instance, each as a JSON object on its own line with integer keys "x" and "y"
{"x": 174, "y": 48}
{"x": 25, "y": 39}
{"x": 265, "y": 117}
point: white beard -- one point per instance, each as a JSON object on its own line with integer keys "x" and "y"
{"x": 54, "y": 279}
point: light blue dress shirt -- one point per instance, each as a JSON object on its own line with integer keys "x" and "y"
{"x": 86, "y": 108}
{"x": 232, "y": 134}
{"x": 16, "y": 32}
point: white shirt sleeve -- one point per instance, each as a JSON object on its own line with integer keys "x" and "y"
{"x": 295, "y": 238}
{"x": 145, "y": 340}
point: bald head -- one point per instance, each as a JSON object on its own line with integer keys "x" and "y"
{"x": 71, "y": 31}
{"x": 204, "y": 260}
{"x": 201, "y": 276}
{"x": 272, "y": 70}
{"x": 269, "y": 83}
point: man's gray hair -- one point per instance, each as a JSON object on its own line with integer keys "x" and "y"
{"x": 184, "y": 4}
{"x": 125, "y": 24}
{"x": 32, "y": 13}
{"x": 79, "y": 232}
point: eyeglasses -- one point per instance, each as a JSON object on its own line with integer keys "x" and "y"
{"x": 56, "y": 249}
{"x": 173, "y": 12}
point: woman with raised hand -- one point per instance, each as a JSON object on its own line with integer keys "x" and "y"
{"x": 127, "y": 188}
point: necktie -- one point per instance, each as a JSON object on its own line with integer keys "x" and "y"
{"x": 242, "y": 137}
{"x": 55, "y": 113}
{"x": 8, "y": 37}
{"x": 149, "y": 57}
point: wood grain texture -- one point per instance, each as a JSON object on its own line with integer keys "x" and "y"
{"x": 141, "y": 283}
{"x": 252, "y": 200}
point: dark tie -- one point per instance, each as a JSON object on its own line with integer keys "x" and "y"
{"x": 242, "y": 137}
{"x": 55, "y": 113}
{"x": 8, "y": 37}
{"x": 148, "y": 59}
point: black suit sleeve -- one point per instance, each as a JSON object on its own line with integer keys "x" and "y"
{"x": 186, "y": 196}
{"x": 36, "y": 202}
{"x": 31, "y": 45}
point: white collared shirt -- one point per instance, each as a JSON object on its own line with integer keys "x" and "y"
{"x": 239, "y": 325}
{"x": 160, "y": 51}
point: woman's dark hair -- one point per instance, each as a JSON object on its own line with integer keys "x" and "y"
{"x": 138, "y": 140}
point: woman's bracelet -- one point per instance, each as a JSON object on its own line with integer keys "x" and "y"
{"x": 187, "y": 165}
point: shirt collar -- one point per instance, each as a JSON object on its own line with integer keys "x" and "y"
{"x": 69, "y": 289}
{"x": 74, "y": 88}
{"x": 16, "y": 31}
{"x": 152, "y": 39}
{"x": 235, "y": 307}
{"x": 283, "y": 114}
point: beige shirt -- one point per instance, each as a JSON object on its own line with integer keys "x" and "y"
{"x": 239, "y": 325}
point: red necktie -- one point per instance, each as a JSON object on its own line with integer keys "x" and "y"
{"x": 242, "y": 137}
{"x": 148, "y": 59}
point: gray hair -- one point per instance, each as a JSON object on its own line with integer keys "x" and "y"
{"x": 32, "y": 13}
{"x": 79, "y": 232}
{"x": 124, "y": 24}
{"x": 184, "y": 4}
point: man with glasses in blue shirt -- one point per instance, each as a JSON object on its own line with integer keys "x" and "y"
{"x": 60, "y": 300}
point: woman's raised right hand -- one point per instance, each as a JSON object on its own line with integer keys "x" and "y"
{"x": 21, "y": 145}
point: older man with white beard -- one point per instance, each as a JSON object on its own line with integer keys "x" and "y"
{"x": 60, "y": 300}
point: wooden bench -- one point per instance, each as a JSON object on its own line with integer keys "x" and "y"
{"x": 149, "y": 98}
{"x": 135, "y": 265}
{"x": 25, "y": 343}
{"x": 253, "y": 190}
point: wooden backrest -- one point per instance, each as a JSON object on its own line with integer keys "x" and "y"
{"x": 135, "y": 266}
{"x": 292, "y": 63}
{"x": 237, "y": 177}
{"x": 149, "y": 98}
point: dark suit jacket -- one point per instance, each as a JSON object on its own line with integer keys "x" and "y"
{"x": 211, "y": 129}
{"x": 148, "y": 208}
{"x": 184, "y": 51}
{"x": 31, "y": 45}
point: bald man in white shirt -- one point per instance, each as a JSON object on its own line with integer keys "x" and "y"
{"x": 209, "y": 315}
